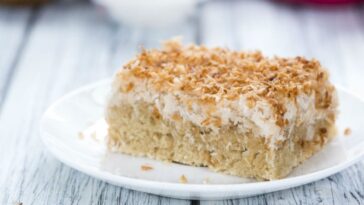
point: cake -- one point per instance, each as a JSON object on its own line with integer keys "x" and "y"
{"x": 238, "y": 113}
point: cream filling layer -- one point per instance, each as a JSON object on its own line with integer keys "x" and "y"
{"x": 258, "y": 119}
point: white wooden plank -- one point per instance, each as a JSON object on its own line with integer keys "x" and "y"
{"x": 343, "y": 188}
{"x": 13, "y": 29}
{"x": 71, "y": 44}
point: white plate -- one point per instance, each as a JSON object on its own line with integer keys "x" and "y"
{"x": 74, "y": 131}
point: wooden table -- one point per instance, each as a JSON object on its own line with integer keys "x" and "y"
{"x": 48, "y": 51}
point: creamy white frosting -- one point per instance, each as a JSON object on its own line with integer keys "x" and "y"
{"x": 259, "y": 119}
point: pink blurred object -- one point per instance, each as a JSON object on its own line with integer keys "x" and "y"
{"x": 323, "y": 1}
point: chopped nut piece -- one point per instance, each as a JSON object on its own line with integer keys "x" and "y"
{"x": 183, "y": 179}
{"x": 146, "y": 167}
{"x": 347, "y": 131}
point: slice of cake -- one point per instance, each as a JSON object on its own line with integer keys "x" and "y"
{"x": 234, "y": 112}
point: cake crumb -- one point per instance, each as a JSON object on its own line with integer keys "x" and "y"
{"x": 183, "y": 179}
{"x": 81, "y": 136}
{"x": 347, "y": 131}
{"x": 146, "y": 168}
{"x": 205, "y": 180}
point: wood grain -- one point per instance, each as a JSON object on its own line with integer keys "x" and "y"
{"x": 15, "y": 24}
{"x": 48, "y": 51}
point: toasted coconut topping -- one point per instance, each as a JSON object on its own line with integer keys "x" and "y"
{"x": 212, "y": 75}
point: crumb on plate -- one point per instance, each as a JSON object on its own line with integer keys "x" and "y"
{"x": 146, "y": 168}
{"x": 183, "y": 179}
{"x": 347, "y": 131}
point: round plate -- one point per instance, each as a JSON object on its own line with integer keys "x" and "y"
{"x": 74, "y": 131}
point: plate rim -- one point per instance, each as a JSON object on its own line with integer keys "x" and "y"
{"x": 200, "y": 189}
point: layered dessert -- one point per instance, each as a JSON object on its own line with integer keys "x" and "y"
{"x": 238, "y": 113}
